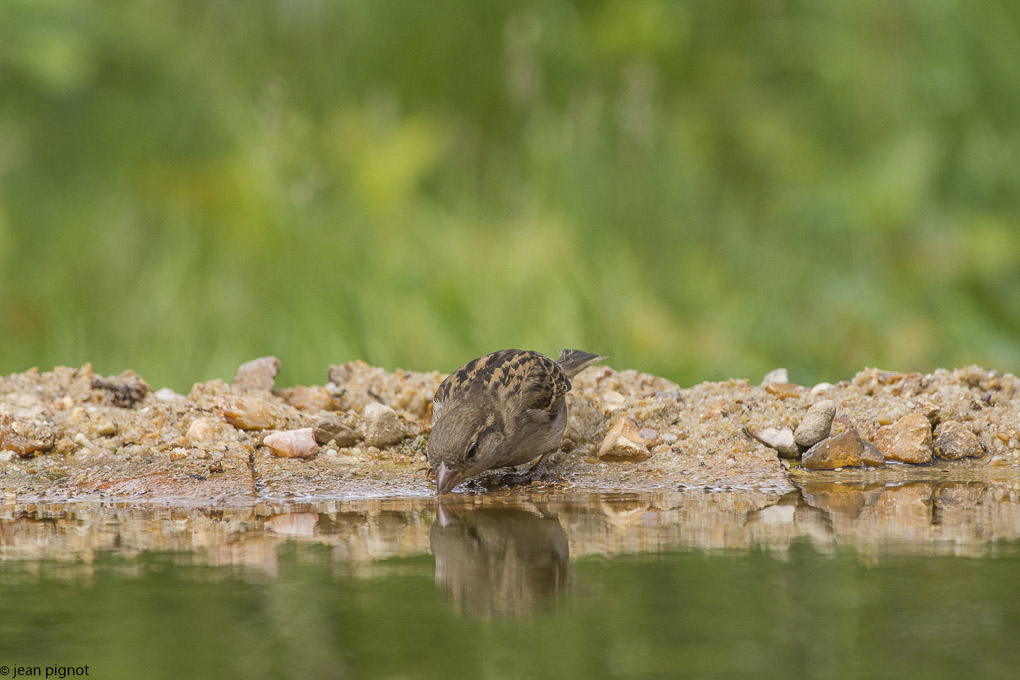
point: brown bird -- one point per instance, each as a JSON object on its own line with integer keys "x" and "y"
{"x": 506, "y": 408}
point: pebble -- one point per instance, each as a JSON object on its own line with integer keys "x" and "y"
{"x": 256, "y": 375}
{"x": 206, "y": 431}
{"x": 105, "y": 428}
{"x": 953, "y": 440}
{"x": 292, "y": 443}
{"x": 167, "y": 394}
{"x": 623, "y": 442}
{"x": 308, "y": 399}
{"x": 329, "y": 426}
{"x": 26, "y": 436}
{"x": 778, "y": 375}
{"x": 613, "y": 400}
{"x": 784, "y": 390}
{"x": 908, "y": 440}
{"x": 247, "y": 413}
{"x": 816, "y": 424}
{"x": 822, "y": 387}
{"x": 383, "y": 426}
{"x": 650, "y": 436}
{"x": 843, "y": 450}
{"x": 871, "y": 456}
{"x": 780, "y": 439}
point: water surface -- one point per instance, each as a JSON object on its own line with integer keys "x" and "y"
{"x": 841, "y": 581}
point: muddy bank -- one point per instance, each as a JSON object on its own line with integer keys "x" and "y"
{"x": 72, "y": 435}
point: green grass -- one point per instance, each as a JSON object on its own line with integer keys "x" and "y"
{"x": 703, "y": 190}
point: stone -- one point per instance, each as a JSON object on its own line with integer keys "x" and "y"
{"x": 843, "y": 450}
{"x": 256, "y": 375}
{"x": 292, "y": 443}
{"x": 308, "y": 399}
{"x": 123, "y": 391}
{"x": 167, "y": 394}
{"x": 613, "y": 400}
{"x": 623, "y": 442}
{"x": 382, "y": 426}
{"x": 205, "y": 431}
{"x": 954, "y": 440}
{"x": 785, "y": 390}
{"x": 816, "y": 424}
{"x": 780, "y": 439}
{"x": 778, "y": 375}
{"x": 105, "y": 428}
{"x": 330, "y": 427}
{"x": 25, "y": 437}
{"x": 871, "y": 456}
{"x": 908, "y": 440}
{"x": 246, "y": 413}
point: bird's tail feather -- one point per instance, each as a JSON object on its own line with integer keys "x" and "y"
{"x": 573, "y": 361}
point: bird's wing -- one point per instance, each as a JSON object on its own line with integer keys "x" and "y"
{"x": 535, "y": 380}
{"x": 476, "y": 374}
{"x": 541, "y": 382}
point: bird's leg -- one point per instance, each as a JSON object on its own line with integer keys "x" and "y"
{"x": 537, "y": 470}
{"x": 535, "y": 473}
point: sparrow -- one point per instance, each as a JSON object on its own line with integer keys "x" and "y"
{"x": 503, "y": 409}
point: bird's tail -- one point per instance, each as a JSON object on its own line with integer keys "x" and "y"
{"x": 573, "y": 361}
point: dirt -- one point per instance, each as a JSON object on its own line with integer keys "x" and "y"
{"x": 71, "y": 435}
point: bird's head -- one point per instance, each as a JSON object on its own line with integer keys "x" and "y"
{"x": 465, "y": 441}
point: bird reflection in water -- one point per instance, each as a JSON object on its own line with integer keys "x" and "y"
{"x": 498, "y": 561}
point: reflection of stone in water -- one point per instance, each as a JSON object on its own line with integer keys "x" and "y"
{"x": 499, "y": 561}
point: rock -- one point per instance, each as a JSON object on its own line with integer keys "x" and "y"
{"x": 205, "y": 431}
{"x": 247, "y": 413}
{"x": 257, "y": 374}
{"x": 932, "y": 412}
{"x": 25, "y": 437}
{"x": 329, "y": 426}
{"x": 167, "y": 394}
{"x": 780, "y": 439}
{"x": 953, "y": 440}
{"x": 908, "y": 440}
{"x": 843, "y": 450}
{"x": 784, "y": 390}
{"x": 650, "y": 436}
{"x": 124, "y": 390}
{"x": 383, "y": 426}
{"x": 778, "y": 375}
{"x": 816, "y": 424}
{"x": 871, "y": 456}
{"x": 308, "y": 399}
{"x": 292, "y": 443}
{"x": 613, "y": 400}
{"x": 623, "y": 442}
{"x": 822, "y": 387}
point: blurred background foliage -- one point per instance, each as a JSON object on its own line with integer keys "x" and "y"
{"x": 699, "y": 189}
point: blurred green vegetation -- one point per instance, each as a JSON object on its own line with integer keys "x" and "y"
{"x": 701, "y": 189}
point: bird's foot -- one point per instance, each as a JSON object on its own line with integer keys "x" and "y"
{"x": 538, "y": 472}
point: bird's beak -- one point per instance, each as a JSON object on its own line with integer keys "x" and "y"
{"x": 447, "y": 478}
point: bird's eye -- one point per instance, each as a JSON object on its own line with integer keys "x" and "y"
{"x": 472, "y": 450}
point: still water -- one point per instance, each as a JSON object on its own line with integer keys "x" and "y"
{"x": 831, "y": 581}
